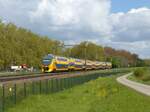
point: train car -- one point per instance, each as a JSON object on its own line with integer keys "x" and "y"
{"x": 108, "y": 65}
{"x": 89, "y": 65}
{"x": 61, "y": 64}
{"x": 93, "y": 65}
{"x": 97, "y": 65}
{"x": 53, "y": 63}
{"x": 103, "y": 65}
{"x": 79, "y": 64}
{"x": 71, "y": 66}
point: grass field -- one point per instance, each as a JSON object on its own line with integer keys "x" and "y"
{"x": 101, "y": 95}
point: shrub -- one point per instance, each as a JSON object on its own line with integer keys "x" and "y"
{"x": 139, "y": 73}
{"x": 142, "y": 74}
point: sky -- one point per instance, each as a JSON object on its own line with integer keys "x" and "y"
{"x": 126, "y": 5}
{"x": 119, "y": 24}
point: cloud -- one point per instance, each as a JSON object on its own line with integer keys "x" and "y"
{"x": 17, "y": 11}
{"x": 77, "y": 20}
{"x": 131, "y": 26}
{"x": 73, "y": 15}
{"x": 131, "y": 31}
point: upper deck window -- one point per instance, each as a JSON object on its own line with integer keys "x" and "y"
{"x": 61, "y": 59}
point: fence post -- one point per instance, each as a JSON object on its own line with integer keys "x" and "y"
{"x": 72, "y": 81}
{"x": 68, "y": 82}
{"x": 46, "y": 86}
{"x": 3, "y": 98}
{"x": 40, "y": 85}
{"x": 14, "y": 93}
{"x": 25, "y": 94}
{"x": 65, "y": 83}
{"x": 54, "y": 84}
{"x": 32, "y": 87}
{"x": 52, "y": 88}
{"x": 63, "y": 80}
{"x": 60, "y": 83}
{"x": 79, "y": 80}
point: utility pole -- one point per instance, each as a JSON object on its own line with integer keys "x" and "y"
{"x": 104, "y": 54}
{"x": 63, "y": 46}
{"x": 96, "y": 57}
{"x": 69, "y": 45}
{"x": 85, "y": 53}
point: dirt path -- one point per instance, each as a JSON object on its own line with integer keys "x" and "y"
{"x": 142, "y": 88}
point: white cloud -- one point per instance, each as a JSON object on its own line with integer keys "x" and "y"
{"x": 79, "y": 20}
{"x": 131, "y": 31}
{"x": 131, "y": 26}
{"x": 80, "y": 14}
{"x": 17, "y": 11}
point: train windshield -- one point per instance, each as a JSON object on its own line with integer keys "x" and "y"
{"x": 47, "y": 60}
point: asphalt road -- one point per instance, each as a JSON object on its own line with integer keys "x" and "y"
{"x": 142, "y": 88}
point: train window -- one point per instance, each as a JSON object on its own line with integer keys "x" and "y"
{"x": 61, "y": 59}
{"x": 47, "y": 61}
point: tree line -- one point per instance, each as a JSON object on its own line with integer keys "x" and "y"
{"x": 21, "y": 46}
{"x": 119, "y": 58}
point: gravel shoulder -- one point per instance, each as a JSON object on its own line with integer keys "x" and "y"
{"x": 142, "y": 88}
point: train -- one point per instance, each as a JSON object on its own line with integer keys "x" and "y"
{"x": 53, "y": 63}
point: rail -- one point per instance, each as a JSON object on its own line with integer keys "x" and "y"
{"x": 50, "y": 75}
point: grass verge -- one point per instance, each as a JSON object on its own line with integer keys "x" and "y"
{"x": 101, "y": 95}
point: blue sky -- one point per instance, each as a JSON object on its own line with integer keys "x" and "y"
{"x": 126, "y": 5}
{"x": 121, "y": 24}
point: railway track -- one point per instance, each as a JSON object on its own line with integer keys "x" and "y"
{"x": 18, "y": 77}
{"x": 39, "y": 76}
{"x": 23, "y": 77}
{"x": 13, "y": 75}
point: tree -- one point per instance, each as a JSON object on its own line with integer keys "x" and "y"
{"x": 86, "y": 50}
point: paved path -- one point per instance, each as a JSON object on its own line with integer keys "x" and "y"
{"x": 142, "y": 88}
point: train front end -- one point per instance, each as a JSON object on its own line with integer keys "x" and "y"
{"x": 47, "y": 64}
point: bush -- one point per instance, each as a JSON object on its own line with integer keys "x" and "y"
{"x": 143, "y": 74}
{"x": 146, "y": 78}
{"x": 139, "y": 73}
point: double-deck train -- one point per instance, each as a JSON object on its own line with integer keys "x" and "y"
{"x": 52, "y": 63}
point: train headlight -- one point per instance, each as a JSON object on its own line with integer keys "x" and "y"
{"x": 10, "y": 89}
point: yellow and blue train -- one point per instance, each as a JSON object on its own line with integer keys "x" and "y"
{"x": 52, "y": 63}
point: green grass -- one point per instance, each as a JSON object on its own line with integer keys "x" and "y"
{"x": 101, "y": 95}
